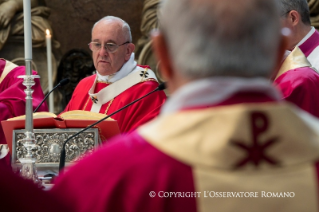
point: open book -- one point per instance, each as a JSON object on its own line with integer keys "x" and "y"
{"x": 71, "y": 119}
{"x": 74, "y": 114}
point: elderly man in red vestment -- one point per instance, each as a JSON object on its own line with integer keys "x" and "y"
{"x": 224, "y": 141}
{"x": 12, "y": 95}
{"x": 118, "y": 80}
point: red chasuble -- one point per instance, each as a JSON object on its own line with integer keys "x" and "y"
{"x": 18, "y": 194}
{"x": 124, "y": 184}
{"x": 12, "y": 96}
{"x": 299, "y": 83}
{"x": 221, "y": 158}
{"x": 131, "y": 117}
{"x": 301, "y": 87}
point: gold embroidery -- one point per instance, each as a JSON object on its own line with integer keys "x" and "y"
{"x": 86, "y": 103}
{"x": 103, "y": 82}
{"x": 94, "y": 99}
{"x": 144, "y": 75}
{"x": 107, "y": 109}
{"x": 150, "y": 79}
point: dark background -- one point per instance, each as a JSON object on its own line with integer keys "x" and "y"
{"x": 72, "y": 20}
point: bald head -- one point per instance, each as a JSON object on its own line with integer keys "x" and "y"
{"x": 111, "y": 30}
{"x": 221, "y": 37}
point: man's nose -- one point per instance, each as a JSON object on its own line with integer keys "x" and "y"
{"x": 103, "y": 51}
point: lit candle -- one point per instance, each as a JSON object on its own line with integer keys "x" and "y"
{"x": 49, "y": 62}
{"x": 27, "y": 32}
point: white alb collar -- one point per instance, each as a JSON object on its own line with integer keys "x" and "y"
{"x": 127, "y": 68}
{"x": 310, "y": 33}
{"x": 214, "y": 90}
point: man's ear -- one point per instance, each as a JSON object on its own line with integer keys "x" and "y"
{"x": 129, "y": 50}
{"x": 294, "y": 17}
{"x": 161, "y": 52}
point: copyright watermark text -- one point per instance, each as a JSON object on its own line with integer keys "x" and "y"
{"x": 215, "y": 194}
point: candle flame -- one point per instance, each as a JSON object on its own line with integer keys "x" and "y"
{"x": 47, "y": 32}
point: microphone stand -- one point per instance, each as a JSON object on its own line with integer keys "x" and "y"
{"x": 61, "y": 83}
{"x": 62, "y": 155}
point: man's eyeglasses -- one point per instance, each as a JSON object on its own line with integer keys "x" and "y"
{"x": 110, "y": 47}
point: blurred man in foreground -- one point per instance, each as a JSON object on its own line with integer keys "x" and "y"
{"x": 18, "y": 194}
{"x": 223, "y": 141}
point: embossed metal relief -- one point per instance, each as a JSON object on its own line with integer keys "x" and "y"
{"x": 49, "y": 143}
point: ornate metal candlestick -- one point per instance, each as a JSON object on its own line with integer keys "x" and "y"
{"x": 29, "y": 169}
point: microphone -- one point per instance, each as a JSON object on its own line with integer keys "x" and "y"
{"x": 61, "y": 83}
{"x": 162, "y": 86}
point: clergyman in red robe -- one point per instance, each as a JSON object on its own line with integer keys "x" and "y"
{"x": 118, "y": 80}
{"x": 224, "y": 140}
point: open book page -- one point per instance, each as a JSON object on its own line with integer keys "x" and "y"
{"x": 74, "y": 115}
{"x": 35, "y": 116}
{"x": 82, "y": 115}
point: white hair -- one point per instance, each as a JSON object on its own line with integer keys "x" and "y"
{"x": 125, "y": 27}
{"x": 221, "y": 37}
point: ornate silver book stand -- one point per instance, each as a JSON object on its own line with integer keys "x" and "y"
{"x": 48, "y": 146}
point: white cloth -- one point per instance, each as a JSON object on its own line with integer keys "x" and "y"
{"x": 213, "y": 90}
{"x": 127, "y": 68}
{"x": 4, "y": 150}
{"x": 129, "y": 75}
{"x": 307, "y": 36}
{"x": 313, "y": 58}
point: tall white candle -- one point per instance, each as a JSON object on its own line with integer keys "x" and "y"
{"x": 27, "y": 32}
{"x": 49, "y": 62}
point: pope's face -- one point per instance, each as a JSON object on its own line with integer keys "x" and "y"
{"x": 109, "y": 31}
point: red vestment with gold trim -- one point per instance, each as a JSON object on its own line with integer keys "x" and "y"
{"x": 129, "y": 118}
